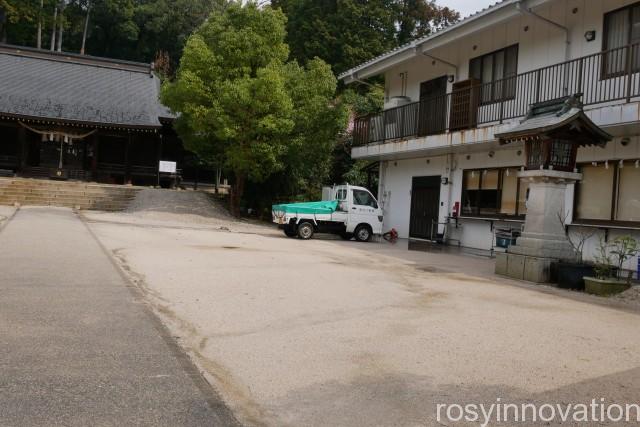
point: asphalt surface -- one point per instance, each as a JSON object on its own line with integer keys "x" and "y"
{"x": 78, "y": 346}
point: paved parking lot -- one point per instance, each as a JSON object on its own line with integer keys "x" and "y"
{"x": 326, "y": 332}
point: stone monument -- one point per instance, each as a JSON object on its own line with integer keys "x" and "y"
{"x": 552, "y": 132}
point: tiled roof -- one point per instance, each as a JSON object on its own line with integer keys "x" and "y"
{"x": 65, "y": 87}
{"x": 550, "y": 116}
{"x": 415, "y": 43}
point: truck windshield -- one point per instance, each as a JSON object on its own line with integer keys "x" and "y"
{"x": 363, "y": 198}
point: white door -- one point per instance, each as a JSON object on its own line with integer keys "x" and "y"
{"x": 363, "y": 209}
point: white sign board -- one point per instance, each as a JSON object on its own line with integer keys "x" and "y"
{"x": 167, "y": 167}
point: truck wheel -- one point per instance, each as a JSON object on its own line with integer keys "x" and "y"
{"x": 289, "y": 231}
{"x": 362, "y": 233}
{"x": 305, "y": 230}
{"x": 346, "y": 236}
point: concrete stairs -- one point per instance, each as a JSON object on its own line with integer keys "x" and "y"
{"x": 83, "y": 195}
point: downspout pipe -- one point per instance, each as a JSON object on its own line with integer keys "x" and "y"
{"x": 523, "y": 9}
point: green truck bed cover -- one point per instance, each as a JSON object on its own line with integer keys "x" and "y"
{"x": 324, "y": 207}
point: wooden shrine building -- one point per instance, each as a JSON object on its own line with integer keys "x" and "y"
{"x": 67, "y": 116}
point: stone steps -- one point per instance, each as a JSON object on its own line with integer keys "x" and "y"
{"x": 64, "y": 193}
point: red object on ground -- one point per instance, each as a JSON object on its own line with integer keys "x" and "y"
{"x": 391, "y": 235}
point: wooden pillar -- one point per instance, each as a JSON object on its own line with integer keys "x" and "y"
{"x": 94, "y": 159}
{"x": 127, "y": 160}
{"x": 22, "y": 148}
{"x": 158, "y": 158}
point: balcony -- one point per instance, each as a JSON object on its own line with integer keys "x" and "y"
{"x": 611, "y": 76}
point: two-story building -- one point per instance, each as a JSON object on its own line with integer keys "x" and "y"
{"x": 448, "y": 94}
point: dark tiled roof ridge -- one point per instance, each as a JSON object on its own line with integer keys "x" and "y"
{"x": 53, "y": 87}
{"x": 75, "y": 58}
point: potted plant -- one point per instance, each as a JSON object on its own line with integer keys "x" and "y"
{"x": 570, "y": 273}
{"x": 608, "y": 270}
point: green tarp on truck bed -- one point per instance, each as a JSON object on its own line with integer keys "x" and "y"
{"x": 324, "y": 207}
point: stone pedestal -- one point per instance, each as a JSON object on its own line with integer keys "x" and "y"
{"x": 543, "y": 240}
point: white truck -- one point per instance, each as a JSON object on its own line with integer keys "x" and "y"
{"x": 351, "y": 212}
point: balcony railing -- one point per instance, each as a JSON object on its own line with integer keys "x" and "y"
{"x": 612, "y": 75}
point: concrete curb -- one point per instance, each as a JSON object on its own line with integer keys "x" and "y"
{"x": 8, "y": 219}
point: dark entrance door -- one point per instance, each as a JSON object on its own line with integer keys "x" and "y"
{"x": 433, "y": 106}
{"x": 425, "y": 204}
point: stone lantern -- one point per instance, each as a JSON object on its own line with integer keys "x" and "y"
{"x": 551, "y": 132}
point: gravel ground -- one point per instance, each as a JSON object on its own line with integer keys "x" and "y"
{"x": 179, "y": 202}
{"x": 178, "y": 208}
{"x": 336, "y": 333}
{"x": 630, "y": 296}
{"x": 5, "y": 213}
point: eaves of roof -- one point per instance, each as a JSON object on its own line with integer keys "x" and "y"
{"x": 418, "y": 43}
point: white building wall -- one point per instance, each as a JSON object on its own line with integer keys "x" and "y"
{"x": 396, "y": 177}
{"x": 540, "y": 45}
{"x": 396, "y": 189}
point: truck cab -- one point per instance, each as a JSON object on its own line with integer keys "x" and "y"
{"x": 357, "y": 207}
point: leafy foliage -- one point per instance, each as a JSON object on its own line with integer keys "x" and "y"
{"x": 242, "y": 106}
{"x": 611, "y": 256}
{"x": 238, "y": 97}
{"x": 345, "y": 33}
{"x": 125, "y": 29}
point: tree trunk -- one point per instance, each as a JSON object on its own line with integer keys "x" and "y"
{"x": 3, "y": 26}
{"x": 53, "y": 31}
{"x": 61, "y": 26}
{"x": 86, "y": 27}
{"x": 39, "y": 36}
{"x": 236, "y": 193}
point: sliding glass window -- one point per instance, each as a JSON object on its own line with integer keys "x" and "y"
{"x": 493, "y": 192}
{"x": 609, "y": 192}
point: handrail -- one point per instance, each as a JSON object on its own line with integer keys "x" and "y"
{"x": 606, "y": 76}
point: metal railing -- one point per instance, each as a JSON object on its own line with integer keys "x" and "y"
{"x": 608, "y": 76}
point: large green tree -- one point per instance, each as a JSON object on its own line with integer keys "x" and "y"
{"x": 418, "y": 18}
{"x": 165, "y": 25}
{"x": 236, "y": 94}
{"x": 347, "y": 32}
{"x": 125, "y": 29}
{"x": 19, "y": 19}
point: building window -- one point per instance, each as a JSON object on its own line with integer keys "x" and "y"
{"x": 609, "y": 192}
{"x": 493, "y": 192}
{"x": 497, "y": 73}
{"x": 562, "y": 155}
{"x": 363, "y": 198}
{"x": 508, "y": 198}
{"x": 594, "y": 192}
{"x": 628, "y": 206}
{"x": 621, "y": 28}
